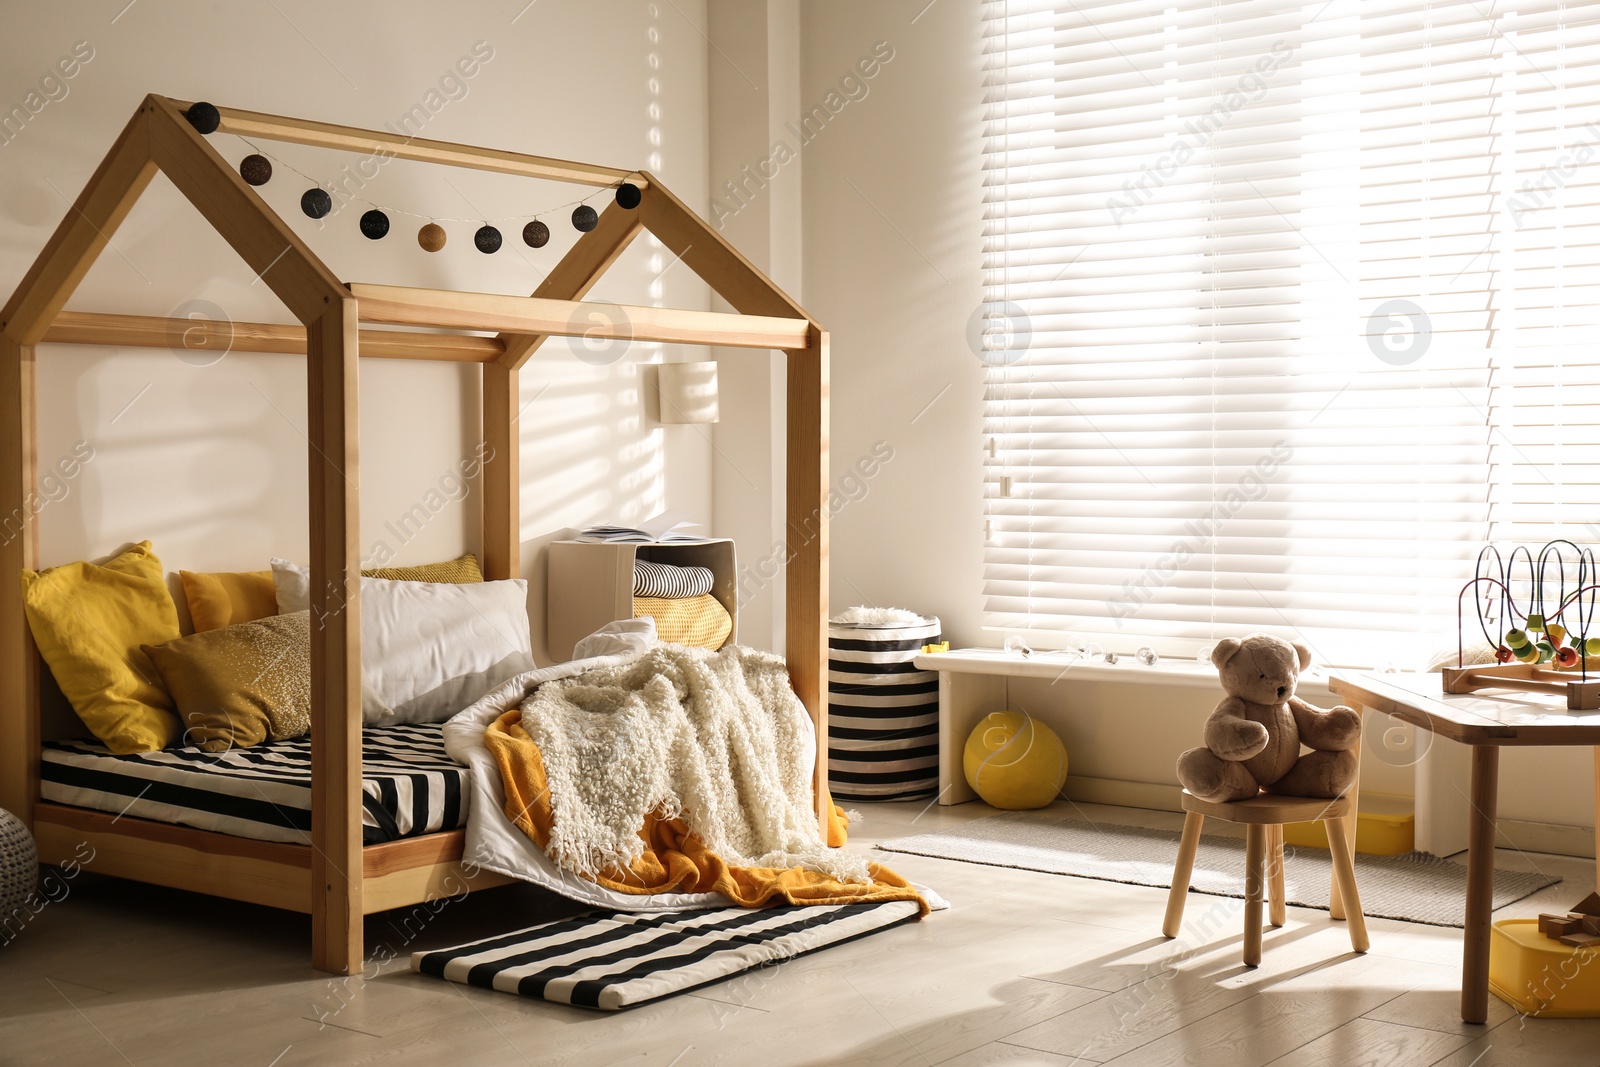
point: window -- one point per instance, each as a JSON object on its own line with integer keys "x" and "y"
{"x": 1290, "y": 308}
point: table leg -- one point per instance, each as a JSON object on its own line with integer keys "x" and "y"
{"x": 1597, "y": 815}
{"x": 1480, "y": 884}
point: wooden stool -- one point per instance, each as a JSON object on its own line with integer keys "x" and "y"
{"x": 1263, "y": 818}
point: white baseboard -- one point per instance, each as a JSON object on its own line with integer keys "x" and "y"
{"x": 1557, "y": 839}
{"x": 1156, "y": 796}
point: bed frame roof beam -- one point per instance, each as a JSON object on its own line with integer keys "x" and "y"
{"x": 386, "y": 145}
{"x": 707, "y": 253}
{"x": 406, "y": 306}
{"x": 208, "y": 335}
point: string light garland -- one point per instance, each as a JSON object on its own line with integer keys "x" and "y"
{"x": 317, "y": 203}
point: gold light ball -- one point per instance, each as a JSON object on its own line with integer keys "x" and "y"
{"x": 431, "y": 237}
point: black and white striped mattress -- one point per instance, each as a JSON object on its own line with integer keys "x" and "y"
{"x": 410, "y": 786}
{"x": 612, "y": 960}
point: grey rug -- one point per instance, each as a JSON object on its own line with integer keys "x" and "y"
{"x": 1417, "y": 887}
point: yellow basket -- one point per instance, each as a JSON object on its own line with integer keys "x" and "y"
{"x": 1385, "y": 826}
{"x": 1540, "y": 976}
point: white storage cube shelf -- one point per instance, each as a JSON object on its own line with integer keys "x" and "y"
{"x": 591, "y": 584}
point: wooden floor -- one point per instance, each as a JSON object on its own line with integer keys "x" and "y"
{"x": 1026, "y": 969}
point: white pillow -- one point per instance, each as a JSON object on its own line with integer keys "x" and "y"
{"x": 428, "y": 649}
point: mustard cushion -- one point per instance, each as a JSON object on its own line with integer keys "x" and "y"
{"x": 701, "y": 621}
{"x": 223, "y": 598}
{"x": 240, "y": 685}
{"x": 461, "y": 571}
{"x": 89, "y": 622}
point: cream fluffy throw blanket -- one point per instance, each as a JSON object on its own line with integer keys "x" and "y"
{"x": 715, "y": 738}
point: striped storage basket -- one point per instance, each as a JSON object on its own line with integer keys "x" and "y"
{"x": 883, "y": 713}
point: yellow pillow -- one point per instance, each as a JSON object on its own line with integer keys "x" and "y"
{"x": 461, "y": 571}
{"x": 240, "y": 685}
{"x": 223, "y": 598}
{"x": 89, "y": 622}
{"x": 701, "y": 621}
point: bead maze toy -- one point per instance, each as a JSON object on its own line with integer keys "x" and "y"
{"x": 1547, "y": 646}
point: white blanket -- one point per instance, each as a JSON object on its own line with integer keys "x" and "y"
{"x": 717, "y": 739}
{"x": 495, "y": 843}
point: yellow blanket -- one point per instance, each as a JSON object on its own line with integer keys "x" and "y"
{"x": 675, "y": 860}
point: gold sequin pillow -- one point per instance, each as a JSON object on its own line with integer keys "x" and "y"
{"x": 240, "y": 685}
{"x": 461, "y": 571}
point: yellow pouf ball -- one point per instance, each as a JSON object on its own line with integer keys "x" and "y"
{"x": 1014, "y": 761}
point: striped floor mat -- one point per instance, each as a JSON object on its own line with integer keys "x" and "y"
{"x": 611, "y": 960}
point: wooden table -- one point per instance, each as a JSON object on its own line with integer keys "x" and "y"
{"x": 1484, "y": 721}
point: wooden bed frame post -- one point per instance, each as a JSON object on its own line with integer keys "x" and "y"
{"x": 332, "y": 346}
{"x": 19, "y": 663}
{"x": 806, "y": 574}
{"x": 502, "y": 473}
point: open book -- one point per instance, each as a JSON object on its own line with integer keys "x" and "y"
{"x": 669, "y": 527}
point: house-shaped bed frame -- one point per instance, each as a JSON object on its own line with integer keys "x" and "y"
{"x": 335, "y": 879}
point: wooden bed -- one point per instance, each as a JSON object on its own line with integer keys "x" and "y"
{"x": 335, "y": 879}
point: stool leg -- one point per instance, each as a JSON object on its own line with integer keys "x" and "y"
{"x": 1255, "y": 849}
{"x": 1344, "y": 876}
{"x": 1279, "y": 912}
{"x": 1181, "y": 871}
{"x": 1335, "y": 898}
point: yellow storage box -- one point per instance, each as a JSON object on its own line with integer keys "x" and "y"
{"x": 1540, "y": 976}
{"x": 1385, "y": 826}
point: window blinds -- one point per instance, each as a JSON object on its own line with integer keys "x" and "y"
{"x": 1289, "y": 309}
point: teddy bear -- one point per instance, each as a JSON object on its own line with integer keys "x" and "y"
{"x": 1253, "y": 738}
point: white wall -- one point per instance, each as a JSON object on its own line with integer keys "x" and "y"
{"x": 209, "y": 461}
{"x": 754, "y": 84}
{"x": 893, "y": 199}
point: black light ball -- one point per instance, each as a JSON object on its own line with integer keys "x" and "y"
{"x": 487, "y": 239}
{"x": 584, "y": 218}
{"x": 203, "y": 117}
{"x": 536, "y": 234}
{"x": 628, "y": 195}
{"x": 256, "y": 170}
{"x": 374, "y": 224}
{"x": 316, "y": 202}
